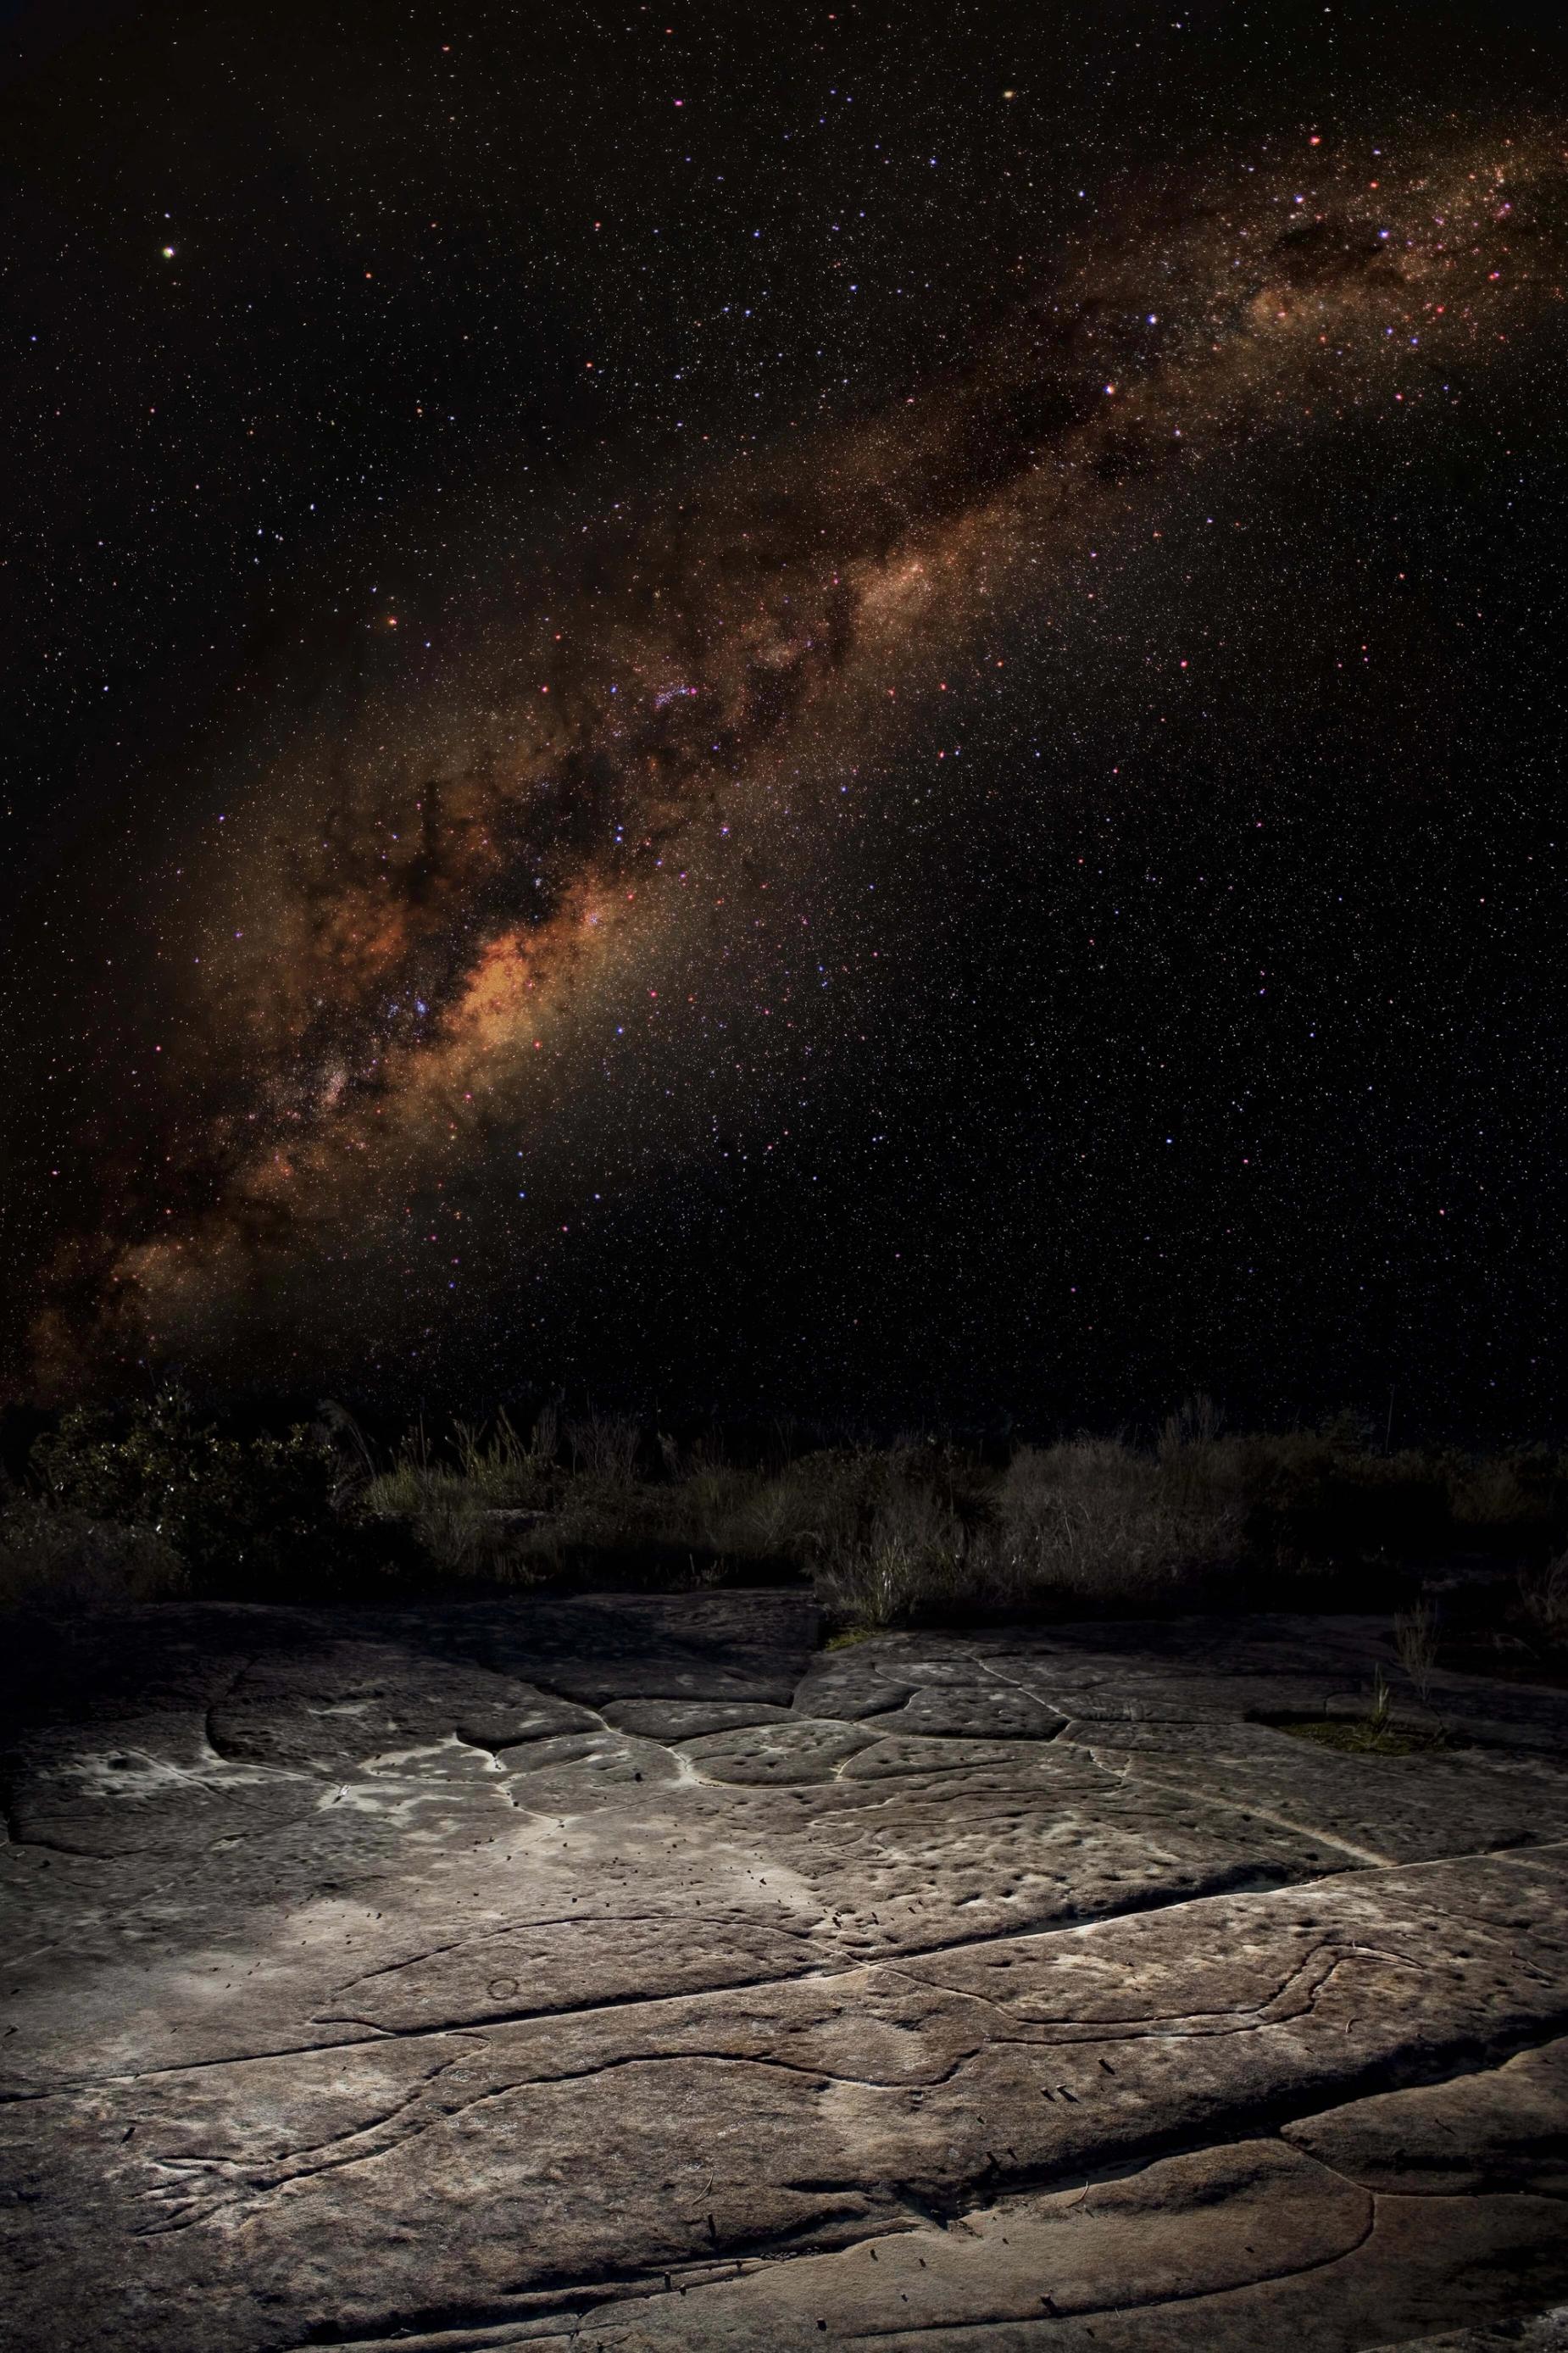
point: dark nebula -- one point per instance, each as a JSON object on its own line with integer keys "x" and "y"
{"x": 932, "y": 790}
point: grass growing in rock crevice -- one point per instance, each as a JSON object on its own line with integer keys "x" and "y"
{"x": 1376, "y": 1731}
{"x": 1356, "y": 1736}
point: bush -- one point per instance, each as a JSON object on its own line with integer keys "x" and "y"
{"x": 229, "y": 1510}
{"x": 62, "y": 1558}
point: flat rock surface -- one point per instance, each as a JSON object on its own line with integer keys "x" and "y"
{"x": 632, "y": 1972}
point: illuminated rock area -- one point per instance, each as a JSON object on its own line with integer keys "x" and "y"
{"x": 631, "y": 1972}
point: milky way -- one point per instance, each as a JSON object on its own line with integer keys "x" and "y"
{"x": 543, "y": 918}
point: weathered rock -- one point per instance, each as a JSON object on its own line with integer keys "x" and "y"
{"x": 1548, "y": 2333}
{"x": 629, "y": 1971}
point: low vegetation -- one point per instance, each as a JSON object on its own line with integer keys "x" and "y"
{"x": 1378, "y": 1731}
{"x": 155, "y": 1501}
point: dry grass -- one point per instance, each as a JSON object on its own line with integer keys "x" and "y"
{"x": 1544, "y": 1594}
{"x": 605, "y": 1448}
{"x": 1415, "y": 1638}
{"x": 908, "y": 1560}
{"x": 1094, "y": 1518}
{"x": 472, "y": 1511}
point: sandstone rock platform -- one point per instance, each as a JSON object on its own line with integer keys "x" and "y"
{"x": 632, "y": 1972}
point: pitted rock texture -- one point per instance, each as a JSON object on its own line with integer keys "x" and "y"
{"x": 632, "y": 1973}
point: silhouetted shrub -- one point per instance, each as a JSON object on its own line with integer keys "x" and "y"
{"x": 62, "y": 1558}
{"x": 153, "y": 1499}
{"x": 234, "y": 1512}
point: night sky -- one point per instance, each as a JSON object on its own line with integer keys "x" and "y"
{"x": 851, "y": 711}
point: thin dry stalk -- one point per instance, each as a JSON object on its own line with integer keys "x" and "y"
{"x": 1416, "y": 1636}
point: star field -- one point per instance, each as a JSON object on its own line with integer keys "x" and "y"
{"x": 861, "y": 717}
